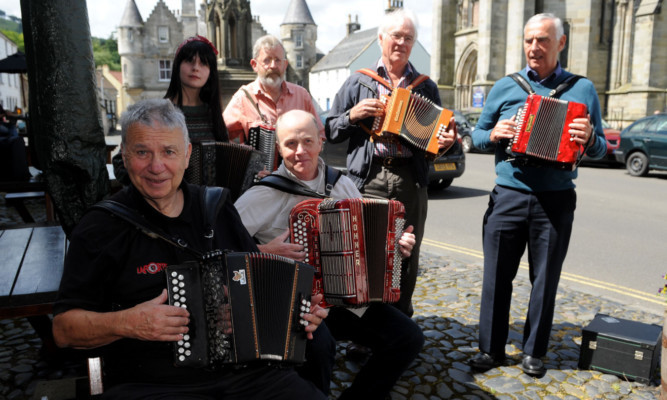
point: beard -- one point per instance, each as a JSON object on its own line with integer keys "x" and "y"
{"x": 272, "y": 80}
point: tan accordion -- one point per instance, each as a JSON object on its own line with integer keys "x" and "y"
{"x": 542, "y": 126}
{"x": 244, "y": 307}
{"x": 353, "y": 246}
{"x": 414, "y": 118}
{"x": 225, "y": 164}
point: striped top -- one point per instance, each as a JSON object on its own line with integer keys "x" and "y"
{"x": 198, "y": 121}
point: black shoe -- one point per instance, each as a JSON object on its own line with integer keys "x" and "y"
{"x": 533, "y": 366}
{"x": 485, "y": 361}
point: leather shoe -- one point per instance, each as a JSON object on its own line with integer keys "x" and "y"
{"x": 532, "y": 366}
{"x": 484, "y": 361}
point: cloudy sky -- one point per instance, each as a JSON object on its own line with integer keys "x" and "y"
{"x": 330, "y": 16}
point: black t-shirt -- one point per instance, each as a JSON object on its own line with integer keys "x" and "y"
{"x": 111, "y": 265}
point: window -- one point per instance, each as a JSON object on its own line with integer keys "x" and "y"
{"x": 298, "y": 40}
{"x": 163, "y": 34}
{"x": 130, "y": 37}
{"x": 165, "y": 70}
{"x": 299, "y": 61}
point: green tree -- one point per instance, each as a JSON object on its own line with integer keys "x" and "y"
{"x": 105, "y": 51}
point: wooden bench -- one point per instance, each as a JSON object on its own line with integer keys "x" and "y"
{"x": 19, "y": 191}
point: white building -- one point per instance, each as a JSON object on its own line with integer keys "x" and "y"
{"x": 10, "y": 84}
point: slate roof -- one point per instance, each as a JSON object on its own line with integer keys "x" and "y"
{"x": 298, "y": 13}
{"x": 131, "y": 15}
{"x": 347, "y": 50}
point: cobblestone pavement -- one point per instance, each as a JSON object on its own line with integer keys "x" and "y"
{"x": 447, "y": 308}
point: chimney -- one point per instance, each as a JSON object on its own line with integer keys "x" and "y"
{"x": 352, "y": 26}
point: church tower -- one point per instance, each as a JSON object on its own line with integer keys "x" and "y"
{"x": 298, "y": 33}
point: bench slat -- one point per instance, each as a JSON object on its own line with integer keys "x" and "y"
{"x": 13, "y": 243}
{"x": 42, "y": 268}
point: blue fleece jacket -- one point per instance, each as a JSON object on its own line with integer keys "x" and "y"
{"x": 502, "y": 103}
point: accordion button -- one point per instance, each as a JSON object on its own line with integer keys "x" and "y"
{"x": 174, "y": 281}
{"x": 184, "y": 306}
{"x": 180, "y": 343}
{"x": 182, "y": 292}
{"x": 174, "y": 274}
{"x": 181, "y": 277}
{"x": 175, "y": 289}
{"x": 181, "y": 358}
{"x": 187, "y": 345}
{"x": 181, "y": 350}
{"x": 181, "y": 284}
{"x": 177, "y": 304}
{"x": 177, "y": 296}
{"x": 186, "y": 337}
{"x": 188, "y": 353}
{"x": 183, "y": 299}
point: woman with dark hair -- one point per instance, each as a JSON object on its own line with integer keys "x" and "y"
{"x": 194, "y": 89}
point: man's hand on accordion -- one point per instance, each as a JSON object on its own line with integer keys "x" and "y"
{"x": 504, "y": 129}
{"x": 281, "y": 247}
{"x": 446, "y": 140}
{"x": 366, "y": 108}
{"x": 316, "y": 314}
{"x": 156, "y": 321}
{"x": 407, "y": 241}
{"x": 581, "y": 131}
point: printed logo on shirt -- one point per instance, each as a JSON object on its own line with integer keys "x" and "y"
{"x": 151, "y": 268}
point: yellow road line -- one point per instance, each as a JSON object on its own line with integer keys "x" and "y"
{"x": 564, "y": 275}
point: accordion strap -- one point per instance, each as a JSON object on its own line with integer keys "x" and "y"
{"x": 287, "y": 185}
{"x": 254, "y": 103}
{"x": 212, "y": 199}
{"x": 569, "y": 81}
{"x": 369, "y": 72}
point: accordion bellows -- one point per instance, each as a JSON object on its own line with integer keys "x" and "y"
{"x": 225, "y": 164}
{"x": 353, "y": 246}
{"x": 244, "y": 307}
{"x": 414, "y": 118}
{"x": 542, "y": 130}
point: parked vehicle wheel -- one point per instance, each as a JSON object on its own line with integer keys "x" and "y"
{"x": 466, "y": 143}
{"x": 637, "y": 164}
{"x": 440, "y": 184}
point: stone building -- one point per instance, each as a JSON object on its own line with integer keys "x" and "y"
{"x": 10, "y": 83}
{"x": 298, "y": 33}
{"x": 617, "y": 44}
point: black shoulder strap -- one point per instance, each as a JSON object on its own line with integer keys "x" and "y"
{"x": 567, "y": 82}
{"x": 287, "y": 185}
{"x": 522, "y": 82}
{"x": 212, "y": 200}
{"x": 333, "y": 175}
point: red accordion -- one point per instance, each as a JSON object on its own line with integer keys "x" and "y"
{"x": 414, "y": 118}
{"x": 353, "y": 246}
{"x": 542, "y": 126}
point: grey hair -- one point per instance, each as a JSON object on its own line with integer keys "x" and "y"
{"x": 397, "y": 17}
{"x": 266, "y": 42}
{"x": 558, "y": 23}
{"x": 152, "y": 112}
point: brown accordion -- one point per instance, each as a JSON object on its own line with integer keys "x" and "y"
{"x": 542, "y": 126}
{"x": 414, "y": 118}
{"x": 263, "y": 138}
{"x": 353, "y": 246}
{"x": 225, "y": 164}
{"x": 243, "y": 307}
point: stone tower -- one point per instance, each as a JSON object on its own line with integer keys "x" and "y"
{"x": 189, "y": 18}
{"x": 130, "y": 44}
{"x": 298, "y": 33}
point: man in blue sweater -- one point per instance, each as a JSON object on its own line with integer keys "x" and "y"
{"x": 531, "y": 205}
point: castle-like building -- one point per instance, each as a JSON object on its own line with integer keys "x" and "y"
{"x": 617, "y": 44}
{"x": 147, "y": 47}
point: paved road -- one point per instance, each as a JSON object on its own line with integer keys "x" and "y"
{"x": 618, "y": 241}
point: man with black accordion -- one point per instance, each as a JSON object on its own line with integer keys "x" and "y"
{"x": 388, "y": 166}
{"x": 113, "y": 291}
{"x": 394, "y": 339}
{"x": 533, "y": 201}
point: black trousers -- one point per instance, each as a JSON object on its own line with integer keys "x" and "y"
{"x": 394, "y": 339}
{"x": 246, "y": 383}
{"x": 513, "y": 221}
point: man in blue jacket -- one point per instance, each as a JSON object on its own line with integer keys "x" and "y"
{"x": 388, "y": 167}
{"x": 531, "y": 204}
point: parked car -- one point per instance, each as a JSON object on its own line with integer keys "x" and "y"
{"x": 464, "y": 127}
{"x": 442, "y": 171}
{"x": 613, "y": 138}
{"x": 644, "y": 145}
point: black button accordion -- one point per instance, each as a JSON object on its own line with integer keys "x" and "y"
{"x": 353, "y": 246}
{"x": 224, "y": 164}
{"x": 263, "y": 139}
{"x": 244, "y": 307}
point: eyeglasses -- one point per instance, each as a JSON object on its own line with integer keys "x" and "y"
{"x": 397, "y": 37}
{"x": 268, "y": 61}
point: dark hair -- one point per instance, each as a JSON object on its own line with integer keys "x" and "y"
{"x": 209, "y": 93}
